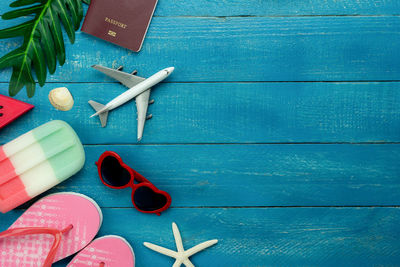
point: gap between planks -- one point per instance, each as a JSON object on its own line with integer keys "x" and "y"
{"x": 260, "y": 207}
{"x": 280, "y": 143}
{"x": 239, "y": 82}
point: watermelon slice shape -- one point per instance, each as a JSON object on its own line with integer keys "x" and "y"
{"x": 10, "y": 109}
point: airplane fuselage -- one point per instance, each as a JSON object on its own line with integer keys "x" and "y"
{"x": 136, "y": 90}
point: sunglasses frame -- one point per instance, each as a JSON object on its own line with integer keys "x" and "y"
{"x": 142, "y": 182}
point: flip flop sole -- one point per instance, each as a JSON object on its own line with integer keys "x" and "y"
{"x": 54, "y": 211}
{"x": 113, "y": 251}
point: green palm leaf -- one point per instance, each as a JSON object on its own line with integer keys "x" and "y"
{"x": 11, "y": 58}
{"x": 43, "y": 40}
{"x": 22, "y": 12}
{"x": 20, "y": 3}
{"x": 39, "y": 63}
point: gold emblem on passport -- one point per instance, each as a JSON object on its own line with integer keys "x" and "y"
{"x": 113, "y": 34}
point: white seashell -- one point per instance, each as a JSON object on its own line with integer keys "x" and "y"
{"x": 61, "y": 98}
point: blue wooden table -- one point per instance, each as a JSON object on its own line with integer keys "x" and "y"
{"x": 278, "y": 133}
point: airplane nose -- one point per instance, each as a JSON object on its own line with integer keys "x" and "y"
{"x": 169, "y": 70}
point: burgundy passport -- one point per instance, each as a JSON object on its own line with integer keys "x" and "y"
{"x": 122, "y": 22}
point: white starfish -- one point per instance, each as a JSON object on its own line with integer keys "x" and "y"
{"x": 181, "y": 256}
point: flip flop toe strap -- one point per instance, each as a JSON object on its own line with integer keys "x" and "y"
{"x": 40, "y": 230}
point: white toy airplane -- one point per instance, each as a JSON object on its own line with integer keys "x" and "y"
{"x": 139, "y": 88}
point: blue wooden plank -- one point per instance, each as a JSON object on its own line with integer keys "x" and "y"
{"x": 276, "y": 8}
{"x": 219, "y": 49}
{"x": 230, "y": 113}
{"x": 253, "y": 175}
{"x": 270, "y": 7}
{"x": 262, "y": 237}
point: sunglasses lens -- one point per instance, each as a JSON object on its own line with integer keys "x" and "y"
{"x": 147, "y": 200}
{"x": 113, "y": 173}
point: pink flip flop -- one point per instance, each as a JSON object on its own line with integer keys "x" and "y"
{"x": 53, "y": 228}
{"x": 106, "y": 251}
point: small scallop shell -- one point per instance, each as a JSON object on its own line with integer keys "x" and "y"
{"x": 61, "y": 99}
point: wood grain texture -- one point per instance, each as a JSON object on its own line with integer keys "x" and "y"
{"x": 252, "y": 175}
{"x": 270, "y": 7}
{"x": 220, "y": 49}
{"x": 262, "y": 237}
{"x": 273, "y": 106}
{"x": 230, "y": 113}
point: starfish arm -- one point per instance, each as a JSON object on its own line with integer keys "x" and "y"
{"x": 161, "y": 250}
{"x": 177, "y": 263}
{"x": 200, "y": 247}
{"x": 188, "y": 263}
{"x": 178, "y": 238}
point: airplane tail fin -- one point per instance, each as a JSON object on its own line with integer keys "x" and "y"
{"x": 103, "y": 116}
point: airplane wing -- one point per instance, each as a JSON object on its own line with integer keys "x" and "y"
{"x": 142, "y": 102}
{"x": 129, "y": 80}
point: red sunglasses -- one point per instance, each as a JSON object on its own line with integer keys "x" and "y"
{"x": 116, "y": 174}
